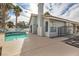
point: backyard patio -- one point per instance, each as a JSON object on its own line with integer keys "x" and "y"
{"x": 44, "y": 46}
{"x": 38, "y": 46}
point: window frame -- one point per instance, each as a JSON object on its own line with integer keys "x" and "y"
{"x": 46, "y": 26}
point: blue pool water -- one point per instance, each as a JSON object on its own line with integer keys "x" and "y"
{"x": 10, "y": 36}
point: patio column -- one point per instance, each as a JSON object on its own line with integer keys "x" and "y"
{"x": 76, "y": 29}
{"x": 40, "y": 20}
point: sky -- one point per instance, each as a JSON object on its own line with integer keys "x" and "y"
{"x": 27, "y": 9}
{"x": 64, "y": 10}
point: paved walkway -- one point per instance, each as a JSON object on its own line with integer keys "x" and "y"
{"x": 44, "y": 46}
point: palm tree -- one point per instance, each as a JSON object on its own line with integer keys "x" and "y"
{"x": 5, "y": 8}
{"x": 47, "y": 14}
{"x": 17, "y": 11}
{"x": 10, "y": 24}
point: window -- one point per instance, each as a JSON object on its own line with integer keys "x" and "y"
{"x": 52, "y": 29}
{"x": 46, "y": 26}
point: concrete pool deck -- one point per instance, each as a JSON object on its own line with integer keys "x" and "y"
{"x": 39, "y": 46}
{"x": 10, "y": 48}
{"x": 44, "y": 46}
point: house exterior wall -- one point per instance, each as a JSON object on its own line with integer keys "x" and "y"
{"x": 70, "y": 28}
{"x": 51, "y": 24}
{"x": 75, "y": 29}
{"x": 40, "y": 20}
{"x": 34, "y": 24}
{"x": 55, "y": 25}
{"x": 46, "y": 33}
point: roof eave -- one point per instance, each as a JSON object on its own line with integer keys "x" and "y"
{"x": 60, "y": 19}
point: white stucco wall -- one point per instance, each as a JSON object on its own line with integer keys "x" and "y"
{"x": 34, "y": 24}
{"x": 40, "y": 20}
{"x": 70, "y": 28}
{"x": 55, "y": 24}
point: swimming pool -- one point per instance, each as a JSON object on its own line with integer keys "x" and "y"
{"x": 11, "y": 36}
